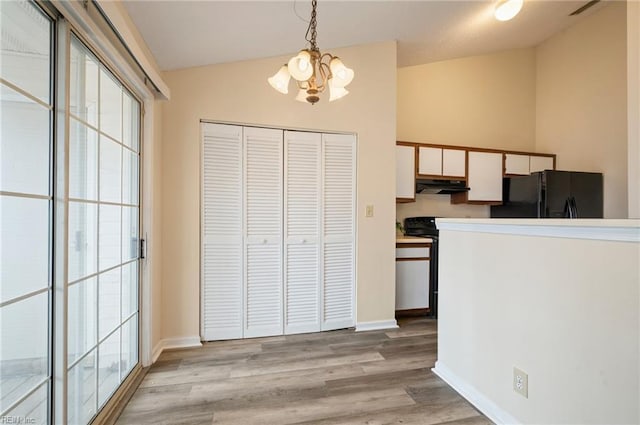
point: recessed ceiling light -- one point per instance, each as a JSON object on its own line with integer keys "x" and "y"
{"x": 507, "y": 9}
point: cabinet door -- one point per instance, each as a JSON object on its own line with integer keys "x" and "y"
{"x": 222, "y": 253}
{"x": 263, "y": 227}
{"x": 302, "y": 202}
{"x": 516, "y": 164}
{"x": 412, "y": 284}
{"x": 485, "y": 177}
{"x": 405, "y": 172}
{"x": 338, "y": 230}
{"x": 454, "y": 163}
{"x": 429, "y": 161}
{"x": 540, "y": 163}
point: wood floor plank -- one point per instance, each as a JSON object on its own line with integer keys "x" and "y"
{"x": 337, "y": 377}
{"x": 329, "y": 360}
{"x": 316, "y": 409}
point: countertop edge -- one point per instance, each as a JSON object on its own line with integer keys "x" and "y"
{"x": 608, "y": 230}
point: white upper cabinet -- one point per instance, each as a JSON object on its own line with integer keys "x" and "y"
{"x": 442, "y": 162}
{"x": 405, "y": 172}
{"x": 454, "y": 163}
{"x": 520, "y": 164}
{"x": 485, "y": 177}
{"x": 429, "y": 161}
{"x": 540, "y": 163}
{"x": 516, "y": 164}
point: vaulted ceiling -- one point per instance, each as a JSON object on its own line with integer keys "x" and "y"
{"x": 183, "y": 34}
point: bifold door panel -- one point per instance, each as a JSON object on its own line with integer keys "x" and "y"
{"x": 278, "y": 231}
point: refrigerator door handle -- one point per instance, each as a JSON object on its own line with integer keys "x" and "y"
{"x": 568, "y": 212}
{"x": 574, "y": 207}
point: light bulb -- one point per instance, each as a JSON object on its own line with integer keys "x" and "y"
{"x": 507, "y": 9}
{"x": 302, "y": 96}
{"x": 280, "y": 80}
{"x": 336, "y": 92}
{"x": 342, "y": 75}
{"x": 300, "y": 66}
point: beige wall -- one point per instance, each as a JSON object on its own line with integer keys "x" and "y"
{"x": 238, "y": 92}
{"x": 633, "y": 102}
{"x": 156, "y": 260}
{"x": 570, "y": 320}
{"x": 581, "y": 112}
{"x": 439, "y": 206}
{"x": 480, "y": 101}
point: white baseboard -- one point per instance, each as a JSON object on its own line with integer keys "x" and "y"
{"x": 157, "y": 350}
{"x": 376, "y": 325}
{"x": 169, "y": 343}
{"x": 473, "y": 396}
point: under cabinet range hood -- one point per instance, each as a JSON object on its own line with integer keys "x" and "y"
{"x": 441, "y": 187}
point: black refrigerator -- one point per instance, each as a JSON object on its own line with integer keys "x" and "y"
{"x": 551, "y": 194}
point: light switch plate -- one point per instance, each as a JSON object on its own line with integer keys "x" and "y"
{"x": 369, "y": 211}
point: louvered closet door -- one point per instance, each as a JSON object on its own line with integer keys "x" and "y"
{"x": 302, "y": 212}
{"x": 222, "y": 245}
{"x": 338, "y": 270}
{"x": 263, "y": 227}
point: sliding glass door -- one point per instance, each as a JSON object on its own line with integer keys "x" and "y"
{"x": 100, "y": 234}
{"x": 26, "y": 112}
{"x": 102, "y": 252}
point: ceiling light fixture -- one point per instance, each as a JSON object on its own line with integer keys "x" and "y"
{"x": 313, "y": 70}
{"x": 507, "y": 9}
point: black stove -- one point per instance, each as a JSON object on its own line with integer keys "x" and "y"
{"x": 425, "y": 227}
{"x": 420, "y": 226}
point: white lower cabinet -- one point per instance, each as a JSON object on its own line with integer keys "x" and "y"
{"x": 278, "y": 231}
{"x": 412, "y": 284}
{"x": 412, "y": 277}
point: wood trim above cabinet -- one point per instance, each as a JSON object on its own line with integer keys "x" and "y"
{"x": 462, "y": 197}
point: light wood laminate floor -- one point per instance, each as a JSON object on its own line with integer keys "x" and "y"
{"x": 337, "y": 377}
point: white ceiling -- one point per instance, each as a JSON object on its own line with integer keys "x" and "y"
{"x": 184, "y": 33}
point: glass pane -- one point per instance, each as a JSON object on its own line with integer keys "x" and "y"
{"x": 130, "y": 239}
{"x": 83, "y": 162}
{"x": 129, "y": 346}
{"x": 130, "y": 121}
{"x": 32, "y": 410}
{"x": 81, "y": 390}
{"x": 110, "y": 232}
{"x": 83, "y": 244}
{"x": 110, "y": 157}
{"x": 108, "y": 302}
{"x": 82, "y": 320}
{"x": 25, "y": 53}
{"x": 129, "y": 289}
{"x": 24, "y": 332}
{"x": 83, "y": 90}
{"x": 24, "y": 246}
{"x": 24, "y": 144}
{"x": 129, "y": 177}
{"x": 108, "y": 367}
{"x": 110, "y": 106}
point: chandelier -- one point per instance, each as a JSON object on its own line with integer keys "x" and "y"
{"x": 313, "y": 70}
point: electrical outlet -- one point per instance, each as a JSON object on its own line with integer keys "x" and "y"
{"x": 520, "y": 382}
{"x": 369, "y": 211}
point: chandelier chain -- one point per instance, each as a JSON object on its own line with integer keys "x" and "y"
{"x": 312, "y": 27}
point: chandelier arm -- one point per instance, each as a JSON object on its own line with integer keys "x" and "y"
{"x": 325, "y": 74}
